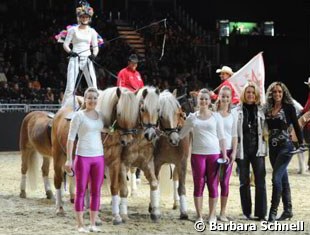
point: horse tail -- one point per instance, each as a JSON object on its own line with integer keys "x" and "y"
{"x": 165, "y": 179}
{"x": 33, "y": 169}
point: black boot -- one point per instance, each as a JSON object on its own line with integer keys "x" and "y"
{"x": 275, "y": 200}
{"x": 272, "y": 215}
{"x": 287, "y": 203}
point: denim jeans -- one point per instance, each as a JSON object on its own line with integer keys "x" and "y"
{"x": 280, "y": 157}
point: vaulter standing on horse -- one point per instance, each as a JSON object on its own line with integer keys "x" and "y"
{"x": 85, "y": 48}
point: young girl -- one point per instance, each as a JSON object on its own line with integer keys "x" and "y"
{"x": 89, "y": 160}
{"x": 223, "y": 107}
{"x": 208, "y": 143}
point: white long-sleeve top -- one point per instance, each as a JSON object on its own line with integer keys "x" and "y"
{"x": 206, "y": 133}
{"x": 230, "y": 128}
{"x": 89, "y": 134}
{"x": 81, "y": 40}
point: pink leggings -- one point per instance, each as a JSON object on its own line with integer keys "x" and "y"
{"x": 227, "y": 169}
{"x": 205, "y": 166}
{"x": 88, "y": 169}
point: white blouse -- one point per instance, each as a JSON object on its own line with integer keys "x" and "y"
{"x": 89, "y": 134}
{"x": 206, "y": 133}
{"x": 81, "y": 41}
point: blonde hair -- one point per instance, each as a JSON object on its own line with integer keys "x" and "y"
{"x": 218, "y": 101}
{"x": 88, "y": 90}
{"x": 204, "y": 91}
{"x": 256, "y": 91}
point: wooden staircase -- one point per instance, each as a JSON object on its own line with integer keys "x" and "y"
{"x": 133, "y": 38}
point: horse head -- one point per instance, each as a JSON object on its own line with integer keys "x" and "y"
{"x": 149, "y": 111}
{"x": 120, "y": 110}
{"x": 171, "y": 118}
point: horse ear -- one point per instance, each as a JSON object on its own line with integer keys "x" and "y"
{"x": 118, "y": 92}
{"x": 174, "y": 93}
{"x": 144, "y": 93}
{"x": 157, "y": 91}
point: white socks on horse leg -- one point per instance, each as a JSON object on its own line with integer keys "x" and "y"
{"x": 115, "y": 205}
{"x": 176, "y": 197}
{"x": 155, "y": 201}
{"x": 23, "y": 183}
{"x": 301, "y": 161}
{"x": 47, "y": 184}
{"x": 183, "y": 204}
{"x": 59, "y": 202}
{"x": 123, "y": 206}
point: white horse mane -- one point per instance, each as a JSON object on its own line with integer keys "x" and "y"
{"x": 168, "y": 105}
{"x": 151, "y": 100}
{"x": 106, "y": 102}
{"x": 128, "y": 107}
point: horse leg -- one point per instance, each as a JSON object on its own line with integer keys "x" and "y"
{"x": 181, "y": 169}
{"x": 114, "y": 170}
{"x": 154, "y": 194}
{"x": 133, "y": 181}
{"x": 45, "y": 172}
{"x": 59, "y": 161}
{"x": 123, "y": 193}
{"x": 176, "y": 198}
{"x": 25, "y": 155}
{"x": 301, "y": 163}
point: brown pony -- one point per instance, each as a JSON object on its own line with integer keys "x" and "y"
{"x": 120, "y": 109}
{"x": 170, "y": 149}
{"x": 35, "y": 139}
{"x": 140, "y": 152}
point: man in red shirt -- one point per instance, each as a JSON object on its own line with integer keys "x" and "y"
{"x": 129, "y": 77}
{"x": 225, "y": 73}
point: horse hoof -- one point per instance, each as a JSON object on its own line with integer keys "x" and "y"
{"x": 50, "y": 195}
{"x": 175, "y": 207}
{"x": 125, "y": 218}
{"x": 60, "y": 212}
{"x": 183, "y": 216}
{"x": 117, "y": 220}
{"x": 155, "y": 218}
{"x": 72, "y": 200}
{"x": 22, "y": 194}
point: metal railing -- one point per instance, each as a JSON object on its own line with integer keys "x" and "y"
{"x": 25, "y": 108}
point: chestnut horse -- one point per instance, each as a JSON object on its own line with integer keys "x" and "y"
{"x": 35, "y": 139}
{"x": 120, "y": 109}
{"x": 169, "y": 149}
{"x": 140, "y": 152}
{"x": 117, "y": 106}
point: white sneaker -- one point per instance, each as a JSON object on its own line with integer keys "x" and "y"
{"x": 82, "y": 230}
{"x": 94, "y": 228}
{"x": 212, "y": 220}
{"x": 223, "y": 218}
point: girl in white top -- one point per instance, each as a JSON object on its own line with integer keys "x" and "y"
{"x": 223, "y": 106}
{"x": 208, "y": 143}
{"x": 81, "y": 55}
{"x": 87, "y": 124}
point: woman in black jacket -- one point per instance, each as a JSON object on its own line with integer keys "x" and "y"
{"x": 280, "y": 114}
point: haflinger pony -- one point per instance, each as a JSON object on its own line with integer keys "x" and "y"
{"x": 120, "y": 109}
{"x": 170, "y": 149}
{"x": 35, "y": 140}
{"x": 140, "y": 152}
